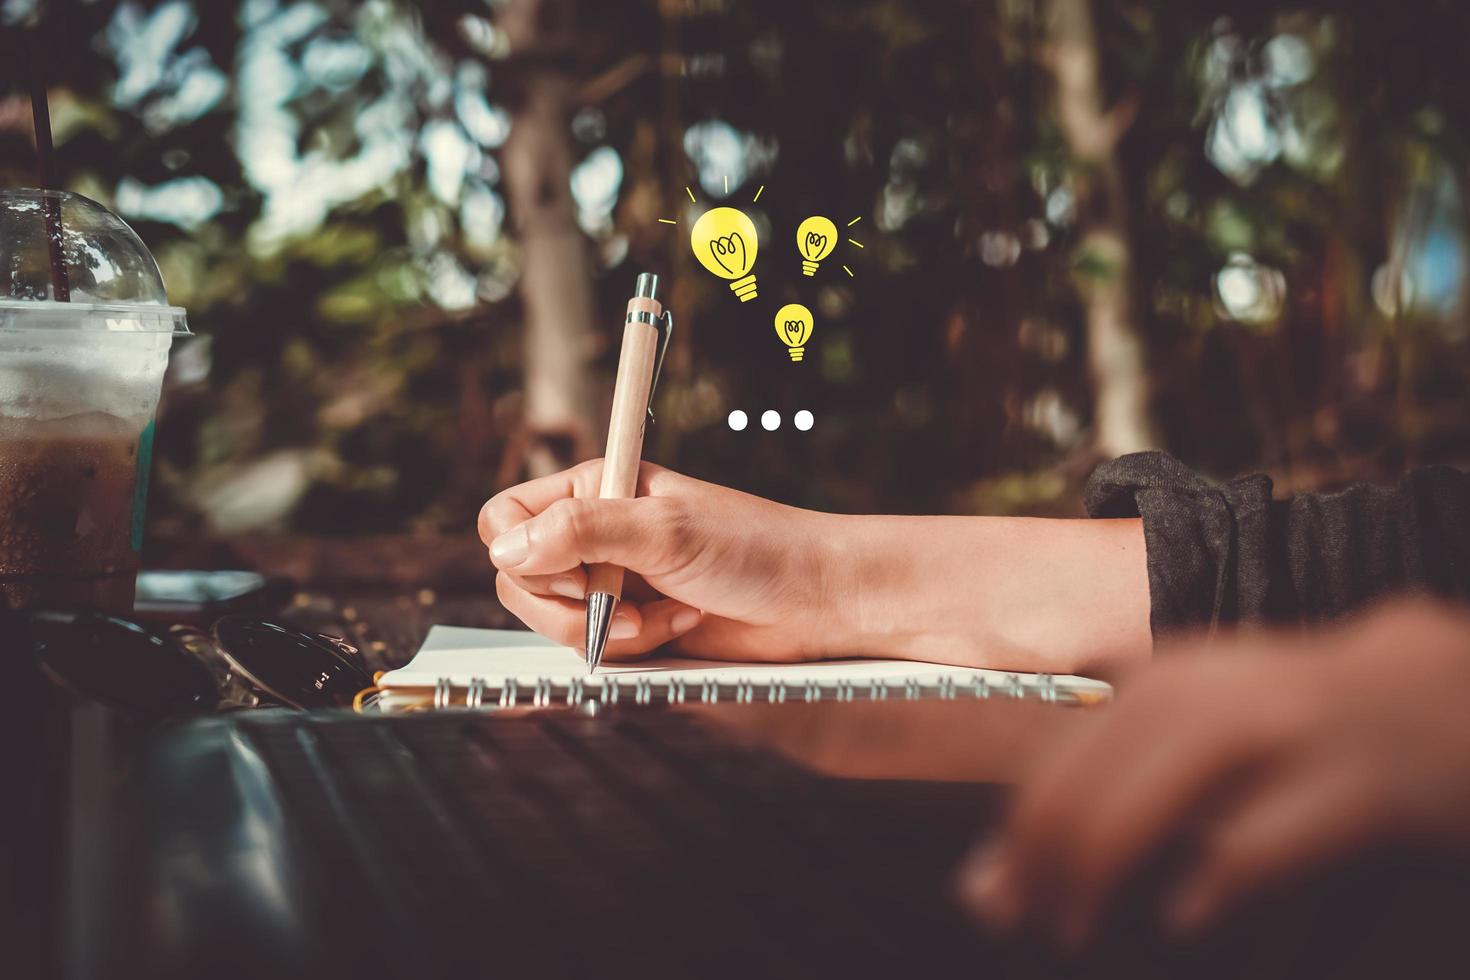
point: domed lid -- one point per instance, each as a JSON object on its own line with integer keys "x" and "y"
{"x": 66, "y": 262}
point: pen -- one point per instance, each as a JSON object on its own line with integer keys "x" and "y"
{"x": 639, "y": 364}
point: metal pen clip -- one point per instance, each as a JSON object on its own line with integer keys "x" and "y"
{"x": 665, "y": 335}
{"x": 647, "y": 288}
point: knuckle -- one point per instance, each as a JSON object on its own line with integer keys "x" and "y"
{"x": 579, "y": 517}
{"x": 586, "y": 477}
{"x": 671, "y": 521}
{"x": 570, "y": 520}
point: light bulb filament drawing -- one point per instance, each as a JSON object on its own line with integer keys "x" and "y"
{"x": 731, "y": 245}
{"x": 794, "y": 328}
{"x": 725, "y": 243}
{"x": 816, "y": 237}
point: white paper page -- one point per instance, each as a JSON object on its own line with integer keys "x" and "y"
{"x": 462, "y": 654}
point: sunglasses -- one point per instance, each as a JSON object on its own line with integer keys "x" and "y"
{"x": 240, "y": 662}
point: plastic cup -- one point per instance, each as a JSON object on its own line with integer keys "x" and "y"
{"x": 79, "y": 387}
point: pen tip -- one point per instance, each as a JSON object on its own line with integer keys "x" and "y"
{"x": 599, "y": 621}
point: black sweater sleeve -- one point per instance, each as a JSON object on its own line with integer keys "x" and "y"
{"x": 1225, "y": 554}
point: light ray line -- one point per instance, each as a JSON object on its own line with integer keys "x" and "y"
{"x": 690, "y": 193}
{"x": 857, "y": 243}
{"x": 667, "y": 221}
{"x": 854, "y": 221}
{"x": 758, "y": 194}
{"x": 847, "y": 270}
{"x": 727, "y": 183}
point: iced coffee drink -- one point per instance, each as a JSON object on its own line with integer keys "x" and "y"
{"x": 79, "y": 385}
{"x": 69, "y": 496}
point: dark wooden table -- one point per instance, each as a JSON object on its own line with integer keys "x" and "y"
{"x": 388, "y": 628}
{"x": 379, "y": 592}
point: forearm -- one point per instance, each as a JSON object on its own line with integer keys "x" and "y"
{"x": 1017, "y": 593}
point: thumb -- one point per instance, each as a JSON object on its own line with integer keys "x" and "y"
{"x": 641, "y": 534}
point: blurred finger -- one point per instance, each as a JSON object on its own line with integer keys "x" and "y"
{"x": 999, "y": 887}
{"x": 1300, "y": 823}
{"x": 1117, "y": 785}
{"x": 1141, "y": 809}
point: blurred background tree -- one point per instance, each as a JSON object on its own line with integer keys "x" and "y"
{"x": 404, "y": 232}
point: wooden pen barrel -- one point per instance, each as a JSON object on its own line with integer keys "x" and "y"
{"x": 625, "y": 429}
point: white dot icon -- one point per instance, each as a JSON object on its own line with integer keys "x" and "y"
{"x": 803, "y": 420}
{"x": 770, "y": 420}
{"x": 738, "y": 420}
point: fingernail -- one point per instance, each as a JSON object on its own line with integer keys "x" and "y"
{"x": 984, "y": 888}
{"x": 511, "y": 548}
{"x": 685, "y": 620}
{"x": 622, "y": 629}
{"x": 567, "y": 586}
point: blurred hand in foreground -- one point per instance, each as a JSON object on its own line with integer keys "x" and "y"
{"x": 1278, "y": 756}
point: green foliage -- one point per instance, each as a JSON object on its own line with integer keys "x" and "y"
{"x": 1295, "y": 186}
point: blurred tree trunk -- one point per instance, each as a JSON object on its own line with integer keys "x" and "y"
{"x": 1122, "y": 421}
{"x": 680, "y": 292}
{"x": 556, "y": 275}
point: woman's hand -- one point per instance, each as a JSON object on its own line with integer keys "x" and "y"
{"x": 720, "y": 573}
{"x": 1277, "y": 755}
{"x": 728, "y": 574}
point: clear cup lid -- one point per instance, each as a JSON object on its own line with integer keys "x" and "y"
{"x": 66, "y": 262}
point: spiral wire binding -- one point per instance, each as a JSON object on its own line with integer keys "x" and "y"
{"x": 605, "y": 692}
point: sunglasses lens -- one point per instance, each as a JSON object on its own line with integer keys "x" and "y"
{"x": 117, "y": 663}
{"x": 300, "y": 669}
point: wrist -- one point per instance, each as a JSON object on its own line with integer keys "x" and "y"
{"x": 869, "y": 589}
{"x": 1064, "y": 596}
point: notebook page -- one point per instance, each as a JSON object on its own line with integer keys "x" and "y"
{"x": 495, "y": 656}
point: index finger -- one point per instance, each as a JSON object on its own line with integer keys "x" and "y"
{"x": 520, "y": 503}
{"x": 524, "y": 501}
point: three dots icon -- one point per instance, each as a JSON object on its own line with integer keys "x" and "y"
{"x": 771, "y": 420}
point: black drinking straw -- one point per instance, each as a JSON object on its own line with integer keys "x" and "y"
{"x": 50, "y": 206}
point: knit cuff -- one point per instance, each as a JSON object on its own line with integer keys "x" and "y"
{"x": 1207, "y": 545}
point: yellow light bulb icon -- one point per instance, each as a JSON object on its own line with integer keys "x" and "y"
{"x": 816, "y": 237}
{"x": 794, "y": 327}
{"x": 724, "y": 242}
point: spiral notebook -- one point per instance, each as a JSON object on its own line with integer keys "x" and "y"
{"x": 459, "y": 667}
